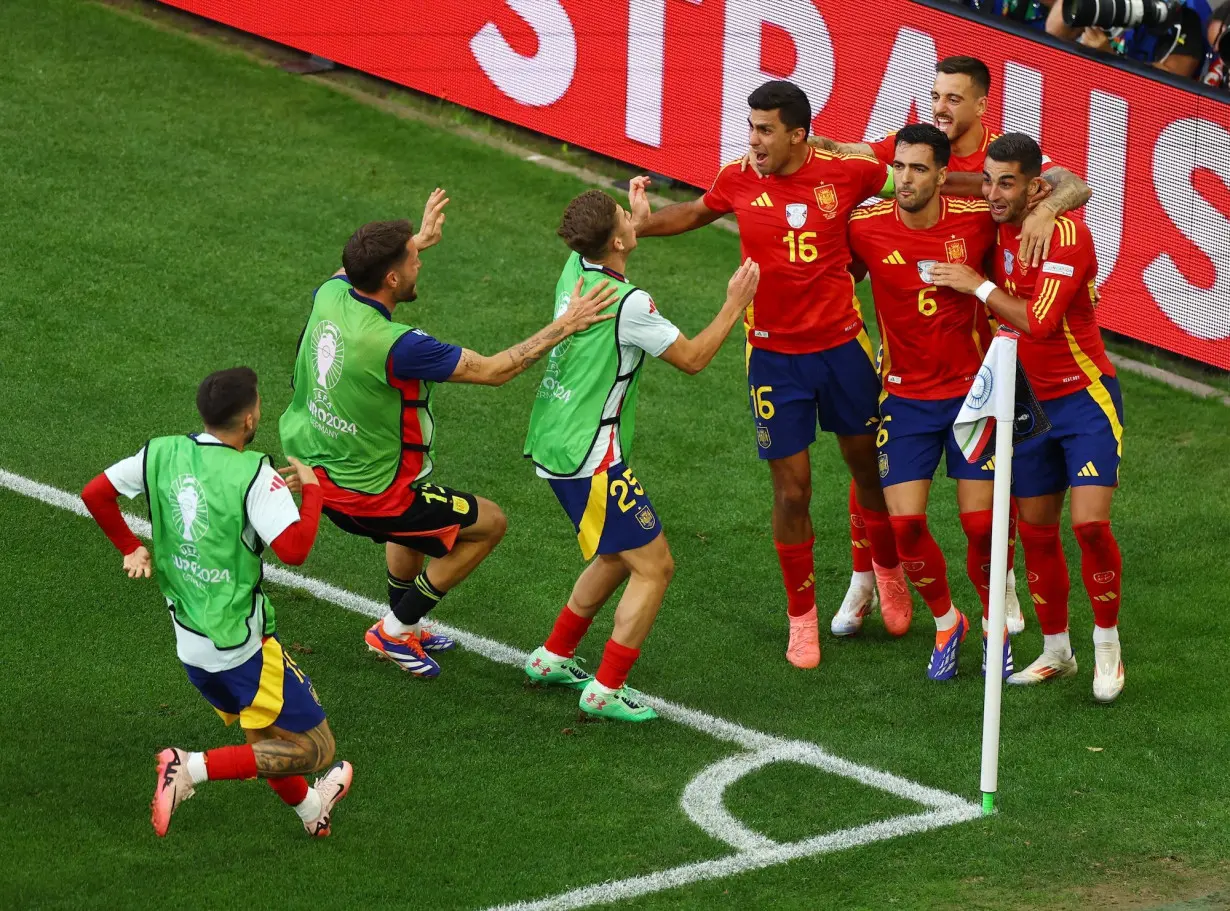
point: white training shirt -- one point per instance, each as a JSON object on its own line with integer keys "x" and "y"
{"x": 641, "y": 330}
{"x": 270, "y": 511}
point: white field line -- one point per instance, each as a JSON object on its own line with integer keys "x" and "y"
{"x": 703, "y": 799}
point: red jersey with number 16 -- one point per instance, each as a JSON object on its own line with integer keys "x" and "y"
{"x": 1062, "y": 352}
{"x": 795, "y": 228}
{"x": 933, "y": 339}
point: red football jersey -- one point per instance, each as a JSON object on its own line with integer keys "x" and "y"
{"x": 885, "y": 149}
{"x": 795, "y": 228}
{"x": 1062, "y": 352}
{"x": 933, "y": 338}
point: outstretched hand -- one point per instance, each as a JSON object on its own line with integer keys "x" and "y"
{"x": 432, "y": 228}
{"x": 742, "y": 285}
{"x": 960, "y": 278}
{"x": 137, "y": 564}
{"x": 586, "y": 309}
{"x": 638, "y": 200}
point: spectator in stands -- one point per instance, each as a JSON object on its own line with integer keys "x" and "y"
{"x": 1179, "y": 50}
{"x": 1217, "y": 73}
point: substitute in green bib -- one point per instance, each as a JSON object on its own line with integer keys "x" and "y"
{"x": 214, "y": 504}
{"x": 580, "y": 439}
{"x": 361, "y": 416}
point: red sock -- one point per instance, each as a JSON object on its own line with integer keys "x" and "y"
{"x": 617, "y": 661}
{"x": 230, "y": 763}
{"x": 570, "y": 628}
{"x": 1102, "y": 570}
{"x": 293, "y": 790}
{"x": 1048, "y": 575}
{"x": 977, "y": 527}
{"x": 860, "y": 547}
{"x": 883, "y": 541}
{"x": 923, "y": 562}
{"x": 799, "y": 575}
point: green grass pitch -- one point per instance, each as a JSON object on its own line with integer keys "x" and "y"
{"x": 167, "y": 208}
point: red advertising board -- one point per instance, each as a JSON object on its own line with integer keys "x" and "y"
{"x": 662, "y": 84}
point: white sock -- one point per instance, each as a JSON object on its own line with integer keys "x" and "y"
{"x": 395, "y": 627}
{"x": 310, "y": 807}
{"x": 1058, "y": 644}
{"x": 196, "y": 768}
{"x": 553, "y": 656}
{"x": 1106, "y": 635}
{"x": 602, "y": 689}
{"x": 865, "y": 580}
{"x": 948, "y": 621}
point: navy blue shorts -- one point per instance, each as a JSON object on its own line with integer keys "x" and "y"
{"x": 267, "y": 689}
{"x": 610, "y": 511}
{"x": 791, "y": 393}
{"x": 914, "y": 433}
{"x": 1083, "y": 447}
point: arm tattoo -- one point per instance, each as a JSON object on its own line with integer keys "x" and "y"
{"x": 529, "y": 352}
{"x": 1068, "y": 191}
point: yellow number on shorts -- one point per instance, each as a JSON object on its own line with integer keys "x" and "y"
{"x": 927, "y": 305}
{"x": 292, "y": 667}
{"x": 800, "y": 249}
{"x": 431, "y": 495}
{"x": 882, "y": 434}
{"x": 760, "y": 402}
{"x": 635, "y": 484}
{"x": 619, "y": 489}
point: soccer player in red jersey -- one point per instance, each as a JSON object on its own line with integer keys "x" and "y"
{"x": 809, "y": 356}
{"x": 1062, "y": 354}
{"x": 958, "y": 103}
{"x": 933, "y": 342}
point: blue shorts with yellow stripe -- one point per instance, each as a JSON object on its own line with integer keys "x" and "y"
{"x": 838, "y": 389}
{"x": 1083, "y": 447}
{"x": 610, "y": 511}
{"x": 914, "y": 434}
{"x": 267, "y": 689}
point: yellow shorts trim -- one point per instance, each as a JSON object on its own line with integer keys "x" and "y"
{"x": 267, "y": 704}
{"x": 589, "y": 533}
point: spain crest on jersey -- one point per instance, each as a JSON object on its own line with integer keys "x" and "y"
{"x": 826, "y": 199}
{"x": 955, "y": 249}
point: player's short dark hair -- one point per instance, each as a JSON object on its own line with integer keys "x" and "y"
{"x": 373, "y": 250}
{"x": 787, "y": 99}
{"x": 972, "y": 67}
{"x": 588, "y": 223}
{"x": 924, "y": 134}
{"x": 1019, "y": 148}
{"x": 225, "y": 395}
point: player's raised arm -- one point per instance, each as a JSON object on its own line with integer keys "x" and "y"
{"x": 692, "y": 355}
{"x": 433, "y": 220}
{"x": 496, "y": 370}
{"x": 675, "y": 219}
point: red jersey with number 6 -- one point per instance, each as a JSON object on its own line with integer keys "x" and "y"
{"x": 795, "y": 228}
{"x": 933, "y": 339}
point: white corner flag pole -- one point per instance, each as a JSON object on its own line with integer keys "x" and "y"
{"x": 1004, "y": 404}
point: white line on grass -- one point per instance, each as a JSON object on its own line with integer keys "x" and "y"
{"x": 703, "y": 799}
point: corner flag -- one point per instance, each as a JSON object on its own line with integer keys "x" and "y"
{"x": 992, "y": 395}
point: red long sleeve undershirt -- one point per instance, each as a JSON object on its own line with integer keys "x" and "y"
{"x": 291, "y": 546}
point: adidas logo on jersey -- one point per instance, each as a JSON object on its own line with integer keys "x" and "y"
{"x": 1088, "y": 471}
{"x": 277, "y": 484}
{"x": 763, "y": 201}
{"x": 894, "y": 259}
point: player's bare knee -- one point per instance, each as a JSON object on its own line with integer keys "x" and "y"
{"x": 494, "y": 521}
{"x": 792, "y": 499}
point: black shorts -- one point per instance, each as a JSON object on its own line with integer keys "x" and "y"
{"x": 430, "y": 525}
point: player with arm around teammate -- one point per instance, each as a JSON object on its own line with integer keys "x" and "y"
{"x": 1061, "y": 352}
{"x": 809, "y": 356}
{"x": 214, "y": 505}
{"x": 580, "y": 438}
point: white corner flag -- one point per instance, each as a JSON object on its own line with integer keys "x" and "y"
{"x": 988, "y": 416}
